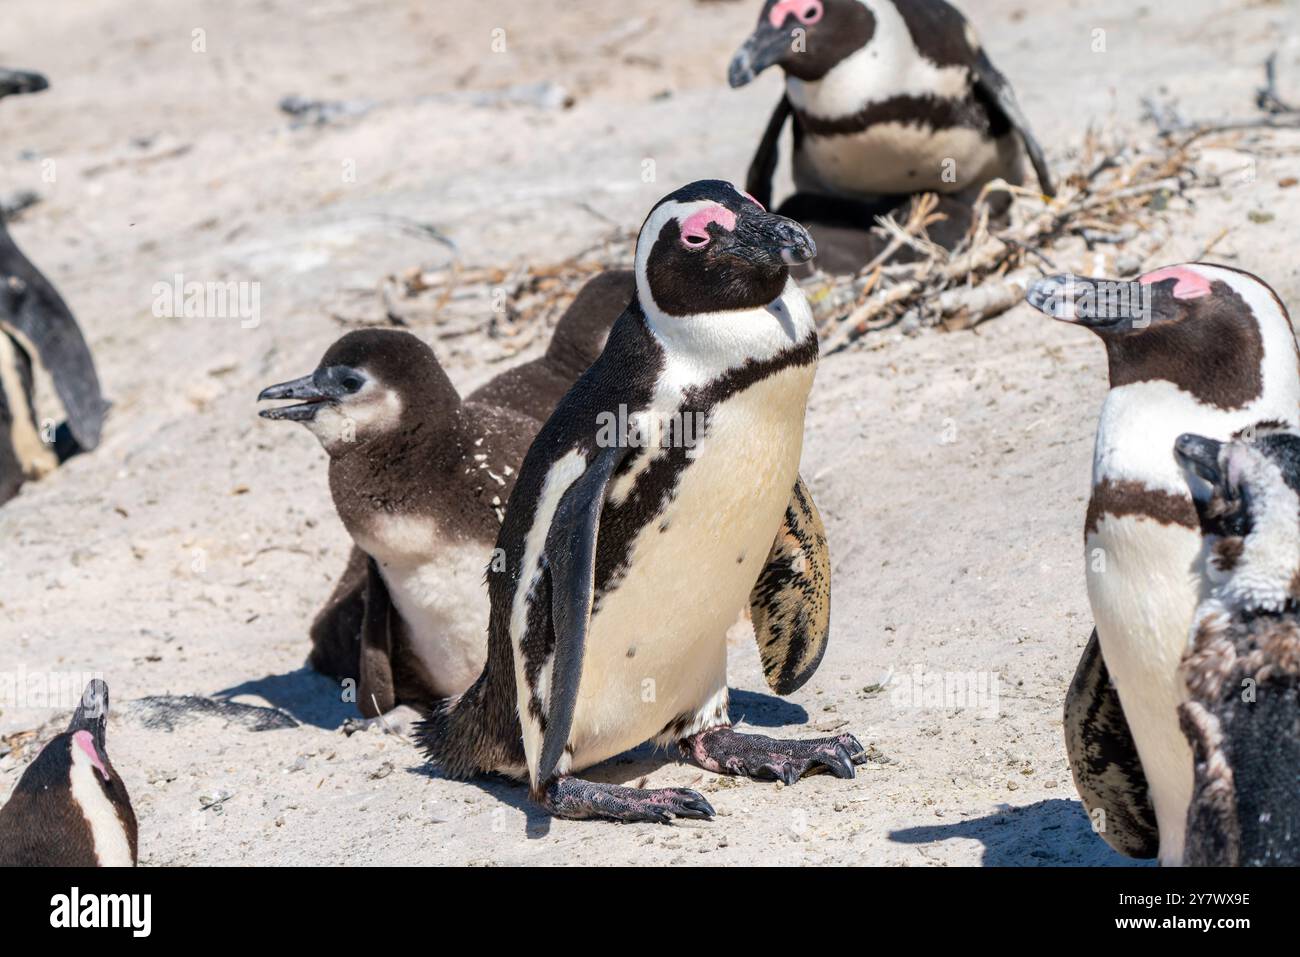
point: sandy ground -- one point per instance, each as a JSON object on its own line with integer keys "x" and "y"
{"x": 188, "y": 554}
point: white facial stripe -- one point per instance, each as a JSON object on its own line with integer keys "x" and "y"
{"x": 112, "y": 848}
{"x": 886, "y": 67}
{"x": 373, "y": 410}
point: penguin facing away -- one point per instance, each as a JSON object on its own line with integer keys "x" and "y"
{"x": 1242, "y": 667}
{"x": 420, "y": 480}
{"x": 70, "y": 808}
{"x": 1191, "y": 348}
{"x": 629, "y": 551}
{"x": 888, "y": 98}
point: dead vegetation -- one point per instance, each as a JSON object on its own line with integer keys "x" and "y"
{"x": 1117, "y": 205}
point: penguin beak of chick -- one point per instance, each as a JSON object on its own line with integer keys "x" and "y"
{"x": 1102, "y": 305}
{"x": 762, "y": 237}
{"x": 305, "y": 389}
{"x": 766, "y": 46}
{"x": 92, "y": 714}
{"x": 1199, "y": 455}
{"x": 13, "y": 82}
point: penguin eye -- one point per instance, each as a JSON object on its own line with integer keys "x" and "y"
{"x": 810, "y": 13}
{"x": 351, "y": 383}
{"x": 695, "y": 240}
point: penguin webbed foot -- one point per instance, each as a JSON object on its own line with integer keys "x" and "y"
{"x": 725, "y": 751}
{"x": 578, "y": 800}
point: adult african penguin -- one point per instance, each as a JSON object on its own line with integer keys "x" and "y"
{"x": 420, "y": 480}
{"x": 36, "y": 324}
{"x": 889, "y": 98}
{"x": 1242, "y": 666}
{"x": 70, "y": 808}
{"x": 1191, "y": 348}
{"x": 659, "y": 499}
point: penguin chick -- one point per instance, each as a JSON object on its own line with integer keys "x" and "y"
{"x": 660, "y": 497}
{"x": 1242, "y": 667}
{"x": 420, "y": 480}
{"x": 70, "y": 808}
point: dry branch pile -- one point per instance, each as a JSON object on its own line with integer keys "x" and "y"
{"x": 1114, "y": 211}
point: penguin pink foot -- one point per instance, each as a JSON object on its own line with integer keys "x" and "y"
{"x": 580, "y": 800}
{"x": 725, "y": 751}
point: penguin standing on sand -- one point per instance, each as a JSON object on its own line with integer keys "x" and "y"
{"x": 1242, "y": 667}
{"x": 420, "y": 480}
{"x": 660, "y": 498}
{"x": 889, "y": 98}
{"x": 36, "y": 324}
{"x": 70, "y": 807}
{"x": 1191, "y": 348}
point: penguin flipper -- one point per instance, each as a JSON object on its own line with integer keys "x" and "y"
{"x": 758, "y": 181}
{"x": 375, "y": 694}
{"x": 996, "y": 92}
{"x": 1104, "y": 760}
{"x": 791, "y": 602}
{"x": 42, "y": 322}
{"x": 571, "y": 564}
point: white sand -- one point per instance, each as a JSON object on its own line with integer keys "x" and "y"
{"x": 189, "y": 553}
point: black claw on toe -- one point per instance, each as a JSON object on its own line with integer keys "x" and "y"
{"x": 578, "y": 800}
{"x": 758, "y": 756}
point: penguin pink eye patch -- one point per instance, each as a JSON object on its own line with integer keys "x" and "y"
{"x": 83, "y": 740}
{"x": 1190, "y": 285}
{"x": 695, "y": 230}
{"x": 808, "y": 11}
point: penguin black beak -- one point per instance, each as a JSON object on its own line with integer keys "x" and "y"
{"x": 766, "y": 46}
{"x": 1200, "y": 456}
{"x": 14, "y": 82}
{"x": 305, "y": 389}
{"x": 762, "y": 237}
{"x": 1102, "y": 305}
{"x": 92, "y": 714}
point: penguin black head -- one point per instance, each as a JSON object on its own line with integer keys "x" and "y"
{"x": 709, "y": 247}
{"x": 1242, "y": 670}
{"x": 16, "y": 82}
{"x": 369, "y": 383}
{"x": 806, "y": 38}
{"x": 1206, "y": 329}
{"x": 70, "y": 807}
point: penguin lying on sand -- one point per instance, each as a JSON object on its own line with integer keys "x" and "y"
{"x": 420, "y": 480}
{"x": 35, "y": 323}
{"x": 70, "y": 807}
{"x": 1191, "y": 348}
{"x": 888, "y": 99}
{"x": 1242, "y": 669}
{"x": 661, "y": 497}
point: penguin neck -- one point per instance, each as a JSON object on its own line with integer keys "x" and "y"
{"x": 887, "y": 67}
{"x": 704, "y": 346}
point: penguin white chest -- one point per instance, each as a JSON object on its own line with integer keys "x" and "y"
{"x": 1143, "y": 586}
{"x": 437, "y": 587}
{"x": 656, "y": 657}
{"x": 889, "y": 158}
